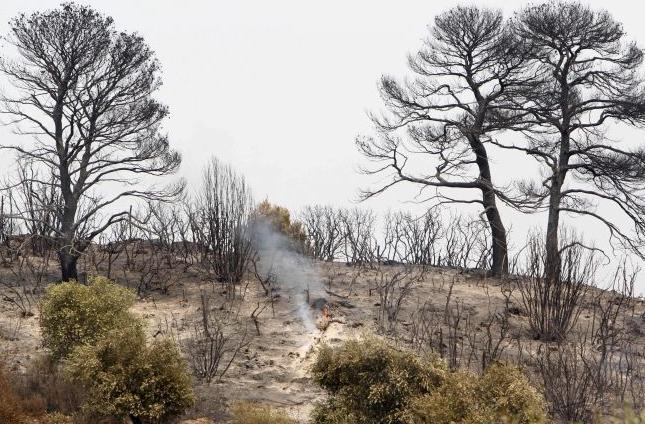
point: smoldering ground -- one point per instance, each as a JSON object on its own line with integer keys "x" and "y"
{"x": 278, "y": 261}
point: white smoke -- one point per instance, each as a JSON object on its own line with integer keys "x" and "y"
{"x": 292, "y": 272}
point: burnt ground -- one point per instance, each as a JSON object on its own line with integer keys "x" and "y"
{"x": 273, "y": 364}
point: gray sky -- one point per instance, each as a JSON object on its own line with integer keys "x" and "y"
{"x": 280, "y": 89}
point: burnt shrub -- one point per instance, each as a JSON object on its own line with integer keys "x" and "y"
{"x": 47, "y": 387}
{"x": 20, "y": 407}
{"x": 11, "y": 409}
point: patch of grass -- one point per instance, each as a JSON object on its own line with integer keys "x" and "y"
{"x": 255, "y": 413}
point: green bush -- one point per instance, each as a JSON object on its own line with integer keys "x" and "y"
{"x": 501, "y": 395}
{"x": 370, "y": 381}
{"x": 123, "y": 377}
{"x": 255, "y": 413}
{"x": 279, "y": 218}
{"x": 73, "y": 314}
{"x": 452, "y": 402}
{"x": 508, "y": 393}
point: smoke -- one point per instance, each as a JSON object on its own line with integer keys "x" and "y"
{"x": 290, "y": 270}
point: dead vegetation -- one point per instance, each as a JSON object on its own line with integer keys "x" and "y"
{"x": 245, "y": 340}
{"x": 277, "y": 316}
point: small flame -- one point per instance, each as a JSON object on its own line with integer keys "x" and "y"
{"x": 325, "y": 318}
{"x": 326, "y": 312}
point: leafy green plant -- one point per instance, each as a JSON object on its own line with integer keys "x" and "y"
{"x": 74, "y": 314}
{"x": 501, "y": 394}
{"x": 125, "y": 377}
{"x": 279, "y": 218}
{"x": 370, "y": 381}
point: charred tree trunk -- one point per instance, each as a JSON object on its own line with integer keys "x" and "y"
{"x": 552, "y": 264}
{"x": 499, "y": 265}
{"x": 552, "y": 243}
{"x": 68, "y": 259}
{"x": 68, "y": 251}
{"x": 135, "y": 420}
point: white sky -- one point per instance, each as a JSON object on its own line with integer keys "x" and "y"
{"x": 280, "y": 89}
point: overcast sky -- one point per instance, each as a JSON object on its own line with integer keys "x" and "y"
{"x": 280, "y": 89}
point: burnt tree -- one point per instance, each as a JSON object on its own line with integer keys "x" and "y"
{"x": 446, "y": 114}
{"x": 83, "y": 91}
{"x": 587, "y": 78}
{"x": 219, "y": 222}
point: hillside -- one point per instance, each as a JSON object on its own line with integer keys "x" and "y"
{"x": 464, "y": 317}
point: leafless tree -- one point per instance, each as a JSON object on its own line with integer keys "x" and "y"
{"x": 359, "y": 235}
{"x": 9, "y": 228}
{"x": 422, "y": 235}
{"x": 469, "y": 62}
{"x": 587, "y": 78}
{"x": 410, "y": 239}
{"x": 167, "y": 226}
{"x": 324, "y": 230}
{"x": 83, "y": 91}
{"x": 217, "y": 340}
{"x": 111, "y": 245}
{"x": 394, "y": 249}
{"x": 37, "y": 203}
{"x": 465, "y": 243}
{"x": 219, "y": 221}
{"x": 553, "y": 306}
{"x": 394, "y": 286}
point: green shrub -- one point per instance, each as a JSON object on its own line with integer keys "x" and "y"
{"x": 123, "y": 377}
{"x": 370, "y": 381}
{"x": 508, "y": 393}
{"x": 502, "y": 394}
{"x": 279, "y": 218}
{"x": 73, "y": 314}
{"x": 255, "y": 413}
{"x": 452, "y": 402}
